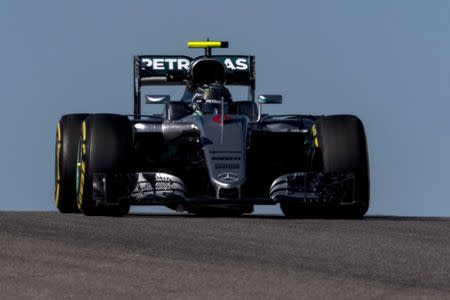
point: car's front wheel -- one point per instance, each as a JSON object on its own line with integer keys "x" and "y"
{"x": 340, "y": 143}
{"x": 105, "y": 146}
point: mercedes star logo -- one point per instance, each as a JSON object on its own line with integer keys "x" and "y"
{"x": 228, "y": 177}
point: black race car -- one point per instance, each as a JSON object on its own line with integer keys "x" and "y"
{"x": 208, "y": 153}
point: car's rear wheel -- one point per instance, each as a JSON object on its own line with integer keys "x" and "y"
{"x": 340, "y": 143}
{"x": 67, "y": 136}
{"x": 105, "y": 147}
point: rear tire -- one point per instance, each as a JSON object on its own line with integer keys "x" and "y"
{"x": 67, "y": 136}
{"x": 342, "y": 147}
{"x": 105, "y": 146}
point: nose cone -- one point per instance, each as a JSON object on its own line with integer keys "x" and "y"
{"x": 224, "y": 148}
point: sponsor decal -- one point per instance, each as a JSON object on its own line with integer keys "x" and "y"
{"x": 228, "y": 177}
{"x": 166, "y": 63}
{"x": 221, "y": 118}
{"x": 239, "y": 64}
{"x": 227, "y": 166}
{"x": 171, "y": 63}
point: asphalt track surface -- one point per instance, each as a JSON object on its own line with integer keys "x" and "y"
{"x": 163, "y": 256}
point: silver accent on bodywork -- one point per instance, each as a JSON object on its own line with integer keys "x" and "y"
{"x": 172, "y": 130}
{"x": 148, "y": 127}
{"x": 295, "y": 185}
{"x": 157, "y": 185}
{"x": 169, "y": 130}
{"x": 146, "y": 188}
{"x": 157, "y": 99}
{"x": 224, "y": 147}
{"x": 228, "y": 177}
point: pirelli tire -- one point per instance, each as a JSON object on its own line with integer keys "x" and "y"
{"x": 67, "y": 137}
{"x": 105, "y": 147}
{"x": 340, "y": 143}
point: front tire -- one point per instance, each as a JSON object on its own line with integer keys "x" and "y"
{"x": 340, "y": 143}
{"x": 105, "y": 146}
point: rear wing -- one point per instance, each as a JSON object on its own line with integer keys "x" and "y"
{"x": 174, "y": 70}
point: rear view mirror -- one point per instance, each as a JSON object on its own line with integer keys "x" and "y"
{"x": 267, "y": 99}
{"x": 157, "y": 99}
{"x": 270, "y": 99}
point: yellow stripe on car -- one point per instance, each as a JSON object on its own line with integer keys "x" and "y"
{"x": 205, "y": 44}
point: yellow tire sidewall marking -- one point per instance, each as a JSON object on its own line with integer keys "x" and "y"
{"x": 59, "y": 132}
{"x": 57, "y": 194}
{"x": 83, "y": 166}
{"x": 315, "y": 137}
{"x": 83, "y": 130}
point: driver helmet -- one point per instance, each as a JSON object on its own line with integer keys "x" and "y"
{"x": 210, "y": 94}
{"x": 214, "y": 92}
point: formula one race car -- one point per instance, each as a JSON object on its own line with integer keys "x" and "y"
{"x": 207, "y": 153}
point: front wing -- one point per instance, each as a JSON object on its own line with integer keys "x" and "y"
{"x": 148, "y": 188}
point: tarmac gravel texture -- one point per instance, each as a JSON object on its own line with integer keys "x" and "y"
{"x": 180, "y": 256}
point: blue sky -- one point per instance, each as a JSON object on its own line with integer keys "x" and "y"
{"x": 386, "y": 61}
